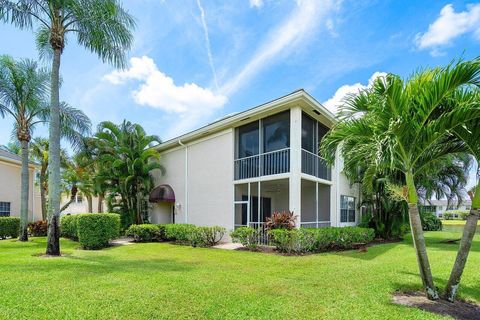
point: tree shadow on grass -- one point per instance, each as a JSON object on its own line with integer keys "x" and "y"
{"x": 370, "y": 252}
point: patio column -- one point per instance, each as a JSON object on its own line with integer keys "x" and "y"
{"x": 295, "y": 189}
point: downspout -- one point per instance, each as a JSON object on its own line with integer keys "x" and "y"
{"x": 186, "y": 179}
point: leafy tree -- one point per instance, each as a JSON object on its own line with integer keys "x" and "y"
{"x": 78, "y": 176}
{"x": 102, "y": 27}
{"x": 23, "y": 91}
{"x": 403, "y": 126}
{"x": 126, "y": 162}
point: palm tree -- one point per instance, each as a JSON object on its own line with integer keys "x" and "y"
{"x": 101, "y": 26}
{"x": 402, "y": 126}
{"x": 39, "y": 153}
{"x": 126, "y": 162}
{"x": 23, "y": 91}
{"x": 78, "y": 176}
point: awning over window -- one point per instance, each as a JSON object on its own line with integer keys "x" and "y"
{"x": 162, "y": 193}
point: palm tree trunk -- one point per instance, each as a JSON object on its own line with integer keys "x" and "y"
{"x": 53, "y": 240}
{"x": 43, "y": 199}
{"x": 464, "y": 249}
{"x": 100, "y": 203}
{"x": 90, "y": 203}
{"x": 419, "y": 240}
{"x": 24, "y": 193}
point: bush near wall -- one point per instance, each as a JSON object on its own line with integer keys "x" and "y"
{"x": 38, "y": 228}
{"x": 189, "y": 234}
{"x": 9, "y": 227}
{"x": 68, "y": 227}
{"x": 247, "y": 236}
{"x": 179, "y": 232}
{"x": 95, "y": 230}
{"x": 298, "y": 241}
{"x": 146, "y": 232}
{"x": 430, "y": 222}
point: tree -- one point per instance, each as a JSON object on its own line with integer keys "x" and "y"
{"x": 23, "y": 91}
{"x": 126, "y": 162}
{"x": 403, "y": 126}
{"x": 78, "y": 176}
{"x": 39, "y": 153}
{"x": 102, "y": 27}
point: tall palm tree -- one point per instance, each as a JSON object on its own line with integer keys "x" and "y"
{"x": 101, "y": 26}
{"x": 402, "y": 126}
{"x": 39, "y": 152}
{"x": 23, "y": 94}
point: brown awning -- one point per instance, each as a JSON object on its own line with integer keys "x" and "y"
{"x": 162, "y": 193}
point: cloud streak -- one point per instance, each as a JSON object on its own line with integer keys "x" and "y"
{"x": 283, "y": 40}
{"x": 207, "y": 43}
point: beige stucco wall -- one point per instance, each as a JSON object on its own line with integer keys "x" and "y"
{"x": 207, "y": 197}
{"x": 10, "y": 187}
{"x": 75, "y": 208}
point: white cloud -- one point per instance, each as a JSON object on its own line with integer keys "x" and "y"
{"x": 448, "y": 26}
{"x": 256, "y": 3}
{"x": 207, "y": 43}
{"x": 190, "y": 102}
{"x": 283, "y": 40}
{"x": 334, "y": 102}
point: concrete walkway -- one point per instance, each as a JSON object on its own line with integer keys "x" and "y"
{"x": 228, "y": 246}
{"x": 123, "y": 241}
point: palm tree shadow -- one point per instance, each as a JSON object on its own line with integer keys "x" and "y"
{"x": 372, "y": 251}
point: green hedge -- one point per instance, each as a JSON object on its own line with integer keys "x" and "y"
{"x": 430, "y": 222}
{"x": 146, "y": 232}
{"x": 247, "y": 236}
{"x": 189, "y": 234}
{"x": 9, "y": 227}
{"x": 180, "y": 233}
{"x": 68, "y": 227}
{"x": 95, "y": 230}
{"x": 299, "y": 241}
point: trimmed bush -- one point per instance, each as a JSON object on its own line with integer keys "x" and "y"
{"x": 95, "y": 230}
{"x": 146, "y": 232}
{"x": 247, "y": 236}
{"x": 38, "y": 228}
{"x": 9, "y": 227}
{"x": 299, "y": 241}
{"x": 430, "y": 222}
{"x": 180, "y": 233}
{"x": 68, "y": 227}
{"x": 208, "y": 236}
{"x": 448, "y": 216}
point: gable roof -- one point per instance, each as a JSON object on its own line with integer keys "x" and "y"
{"x": 299, "y": 97}
{"x": 8, "y": 156}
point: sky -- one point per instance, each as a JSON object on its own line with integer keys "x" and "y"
{"x": 195, "y": 61}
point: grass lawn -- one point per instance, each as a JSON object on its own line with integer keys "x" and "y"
{"x": 456, "y": 222}
{"x": 165, "y": 281}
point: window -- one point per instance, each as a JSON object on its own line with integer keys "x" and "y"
{"x": 4, "y": 209}
{"x": 248, "y": 140}
{"x": 79, "y": 198}
{"x": 347, "y": 209}
{"x": 276, "y": 132}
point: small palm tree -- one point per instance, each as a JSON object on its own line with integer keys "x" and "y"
{"x": 23, "y": 91}
{"x": 78, "y": 176}
{"x": 101, "y": 26}
{"x": 404, "y": 126}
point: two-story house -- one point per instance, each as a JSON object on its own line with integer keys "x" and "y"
{"x": 238, "y": 170}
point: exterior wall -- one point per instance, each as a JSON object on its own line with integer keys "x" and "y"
{"x": 345, "y": 189}
{"x": 207, "y": 197}
{"x": 10, "y": 174}
{"x": 76, "y": 208}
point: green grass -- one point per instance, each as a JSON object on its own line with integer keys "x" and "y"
{"x": 165, "y": 281}
{"x": 456, "y": 222}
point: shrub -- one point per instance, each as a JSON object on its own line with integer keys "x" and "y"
{"x": 95, "y": 230}
{"x": 9, "y": 227}
{"x": 68, "y": 227}
{"x": 179, "y": 232}
{"x": 430, "y": 222}
{"x": 207, "y": 236}
{"x": 281, "y": 220}
{"x": 38, "y": 228}
{"x": 146, "y": 232}
{"x": 448, "y": 216}
{"x": 314, "y": 240}
{"x": 247, "y": 236}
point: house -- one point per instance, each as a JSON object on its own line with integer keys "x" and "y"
{"x": 238, "y": 170}
{"x": 10, "y": 173}
{"x": 439, "y": 207}
{"x": 81, "y": 204}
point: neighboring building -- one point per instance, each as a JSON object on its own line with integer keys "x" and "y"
{"x": 237, "y": 171}
{"x": 439, "y": 207}
{"x": 80, "y": 204}
{"x": 10, "y": 174}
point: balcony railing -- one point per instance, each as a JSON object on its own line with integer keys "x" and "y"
{"x": 315, "y": 225}
{"x": 316, "y": 166}
{"x": 274, "y": 162}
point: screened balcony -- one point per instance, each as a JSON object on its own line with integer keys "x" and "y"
{"x": 312, "y": 163}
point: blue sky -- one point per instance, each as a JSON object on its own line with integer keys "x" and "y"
{"x": 194, "y": 61}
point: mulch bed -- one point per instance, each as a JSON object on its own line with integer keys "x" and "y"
{"x": 462, "y": 310}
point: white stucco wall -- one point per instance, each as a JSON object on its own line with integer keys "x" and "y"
{"x": 10, "y": 187}
{"x": 345, "y": 189}
{"x": 208, "y": 200}
{"x": 75, "y": 208}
